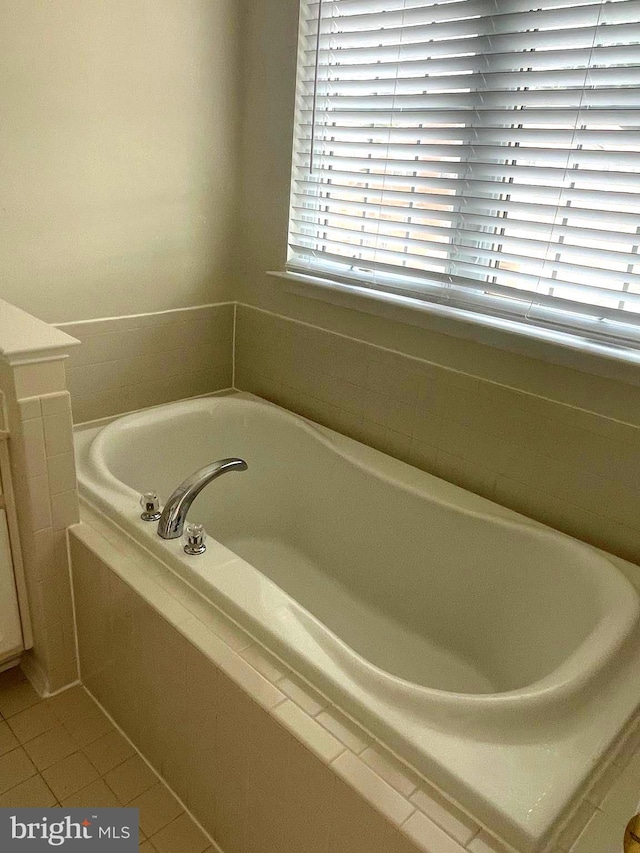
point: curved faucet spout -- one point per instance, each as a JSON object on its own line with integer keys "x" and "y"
{"x": 175, "y": 511}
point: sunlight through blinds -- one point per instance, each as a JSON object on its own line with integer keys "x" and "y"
{"x": 483, "y": 152}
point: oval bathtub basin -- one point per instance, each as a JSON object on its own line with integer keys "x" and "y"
{"x": 473, "y": 641}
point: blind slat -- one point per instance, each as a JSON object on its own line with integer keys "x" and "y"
{"x": 611, "y": 222}
{"x": 415, "y": 220}
{"x": 472, "y": 245}
{"x": 602, "y": 198}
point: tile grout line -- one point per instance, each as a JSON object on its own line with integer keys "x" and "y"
{"x": 233, "y": 345}
{"x": 125, "y": 317}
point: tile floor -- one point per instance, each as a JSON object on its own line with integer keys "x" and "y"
{"x": 63, "y": 751}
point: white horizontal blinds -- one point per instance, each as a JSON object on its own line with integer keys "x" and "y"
{"x": 488, "y": 145}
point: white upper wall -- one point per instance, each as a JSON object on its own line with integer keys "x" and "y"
{"x": 118, "y": 137}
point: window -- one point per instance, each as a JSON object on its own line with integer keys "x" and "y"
{"x": 481, "y": 153}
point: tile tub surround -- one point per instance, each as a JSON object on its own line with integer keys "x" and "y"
{"x": 64, "y": 751}
{"x": 223, "y": 721}
{"x": 129, "y": 363}
{"x": 572, "y": 466}
{"x": 262, "y": 760}
{"x": 38, "y": 417}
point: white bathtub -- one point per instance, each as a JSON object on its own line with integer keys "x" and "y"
{"x": 497, "y": 656}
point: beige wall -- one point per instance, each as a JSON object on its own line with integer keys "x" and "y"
{"x": 117, "y": 154}
{"x": 556, "y": 443}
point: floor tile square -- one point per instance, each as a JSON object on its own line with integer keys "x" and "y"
{"x": 97, "y": 795}
{"x": 181, "y": 836}
{"x": 130, "y": 779}
{"x": 108, "y": 751}
{"x": 34, "y": 793}
{"x": 8, "y": 740}
{"x": 87, "y": 727}
{"x": 70, "y": 775}
{"x": 32, "y": 722}
{"x": 15, "y": 767}
{"x": 158, "y": 807}
{"x": 50, "y": 748}
{"x": 73, "y": 702}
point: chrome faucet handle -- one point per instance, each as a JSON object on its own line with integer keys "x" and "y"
{"x": 194, "y": 539}
{"x": 150, "y": 504}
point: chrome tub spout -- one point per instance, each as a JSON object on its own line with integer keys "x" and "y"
{"x": 175, "y": 511}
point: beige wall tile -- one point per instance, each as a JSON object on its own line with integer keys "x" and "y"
{"x": 58, "y": 435}
{"x": 454, "y": 822}
{"x": 40, "y": 502}
{"x": 304, "y": 696}
{"x": 235, "y": 667}
{"x": 368, "y": 783}
{"x": 428, "y": 836}
{"x": 158, "y": 807}
{"x": 55, "y": 404}
{"x": 601, "y": 835}
{"x": 313, "y": 735}
{"x": 162, "y": 683}
{"x": 358, "y": 828}
{"x": 554, "y": 452}
{"x": 294, "y": 812}
{"x": 621, "y": 801}
{"x": 33, "y": 437}
{"x": 30, "y": 408}
{"x": 181, "y": 836}
{"x": 43, "y": 553}
{"x": 64, "y": 509}
{"x": 62, "y": 473}
{"x": 484, "y": 843}
{"x": 264, "y": 662}
{"x": 583, "y": 814}
{"x": 190, "y": 751}
{"x": 33, "y": 380}
{"x": 133, "y": 362}
{"x": 344, "y": 729}
{"x": 398, "y": 775}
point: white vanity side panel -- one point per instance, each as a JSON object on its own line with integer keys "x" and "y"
{"x": 10, "y": 629}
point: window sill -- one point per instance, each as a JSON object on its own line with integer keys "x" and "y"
{"x": 555, "y": 347}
